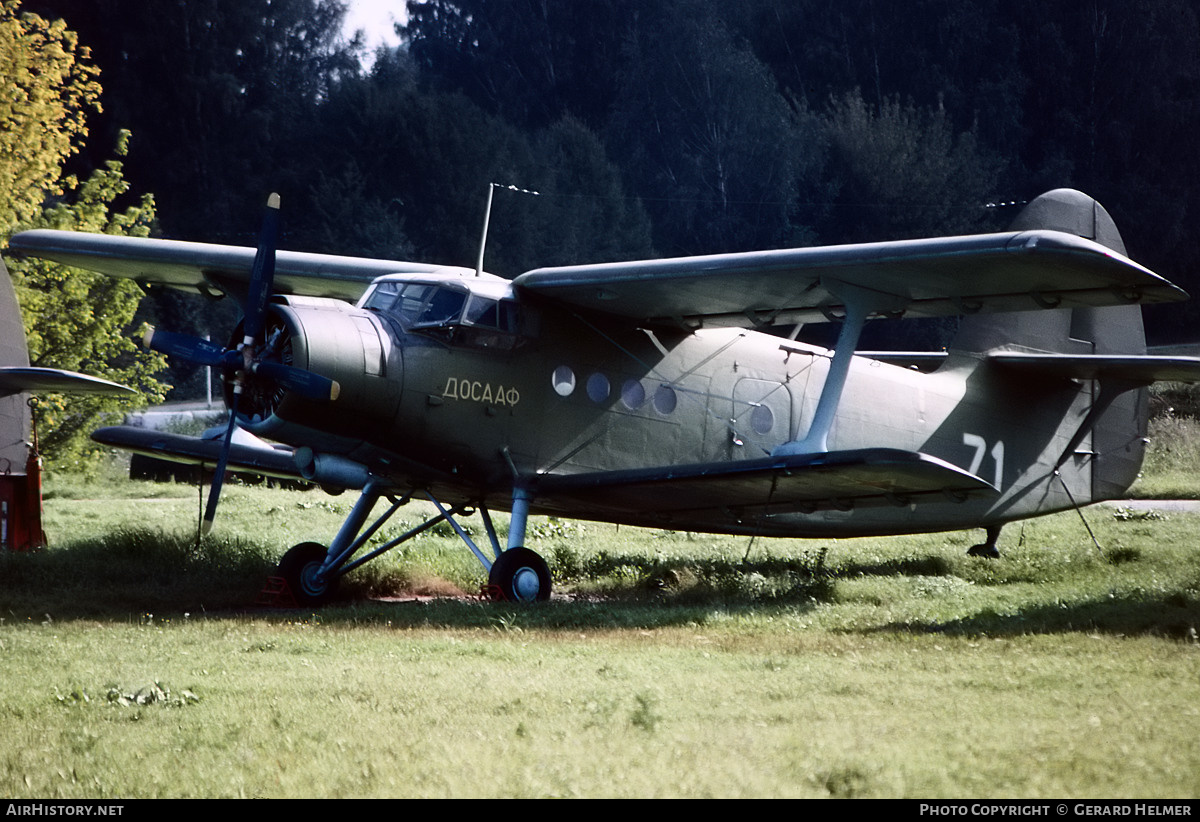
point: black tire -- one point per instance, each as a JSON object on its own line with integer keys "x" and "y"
{"x": 521, "y": 575}
{"x": 298, "y": 567}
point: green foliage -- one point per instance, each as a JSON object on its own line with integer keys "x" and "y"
{"x": 219, "y": 93}
{"x": 1175, "y": 399}
{"x": 49, "y": 86}
{"x": 1172, "y": 458}
{"x": 901, "y": 169}
{"x": 73, "y": 320}
{"x": 716, "y": 152}
{"x": 80, "y": 320}
{"x": 402, "y": 171}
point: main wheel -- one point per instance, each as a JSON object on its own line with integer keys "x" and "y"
{"x": 521, "y": 576}
{"x": 299, "y": 567}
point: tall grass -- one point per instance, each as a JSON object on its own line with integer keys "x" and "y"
{"x": 133, "y": 663}
{"x": 1172, "y": 465}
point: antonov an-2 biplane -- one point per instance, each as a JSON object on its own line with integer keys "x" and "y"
{"x": 647, "y": 393}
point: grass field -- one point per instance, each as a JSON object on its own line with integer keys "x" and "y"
{"x": 133, "y": 665}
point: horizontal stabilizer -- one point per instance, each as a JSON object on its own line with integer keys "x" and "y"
{"x": 803, "y": 482}
{"x": 18, "y": 379}
{"x": 256, "y": 458}
{"x": 208, "y": 268}
{"x": 1135, "y": 369}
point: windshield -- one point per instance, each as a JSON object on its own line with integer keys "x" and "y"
{"x": 414, "y": 304}
{"x": 449, "y": 313}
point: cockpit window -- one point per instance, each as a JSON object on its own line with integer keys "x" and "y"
{"x": 383, "y": 296}
{"x": 469, "y": 320}
{"x": 489, "y": 313}
{"x": 409, "y": 304}
{"x": 444, "y": 307}
{"x": 481, "y": 311}
{"x": 414, "y": 304}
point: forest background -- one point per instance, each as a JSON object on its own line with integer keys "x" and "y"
{"x": 649, "y": 127}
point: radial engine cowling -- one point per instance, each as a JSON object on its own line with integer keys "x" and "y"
{"x": 333, "y": 339}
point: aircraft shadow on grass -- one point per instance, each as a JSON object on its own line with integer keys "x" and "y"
{"x": 649, "y": 594}
{"x": 1170, "y": 615}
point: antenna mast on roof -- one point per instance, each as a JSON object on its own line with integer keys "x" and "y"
{"x": 487, "y": 217}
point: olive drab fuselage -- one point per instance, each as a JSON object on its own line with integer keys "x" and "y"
{"x": 463, "y": 386}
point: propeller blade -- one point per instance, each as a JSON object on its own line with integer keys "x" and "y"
{"x": 218, "y": 480}
{"x": 306, "y": 383}
{"x": 184, "y": 347}
{"x": 262, "y": 276}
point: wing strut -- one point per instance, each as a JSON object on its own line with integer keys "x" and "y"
{"x": 860, "y": 304}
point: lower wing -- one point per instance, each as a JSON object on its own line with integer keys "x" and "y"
{"x": 836, "y": 480}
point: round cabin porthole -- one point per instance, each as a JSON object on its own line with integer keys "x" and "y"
{"x": 762, "y": 419}
{"x": 563, "y": 381}
{"x": 597, "y": 387}
{"x": 633, "y": 395}
{"x": 665, "y": 400}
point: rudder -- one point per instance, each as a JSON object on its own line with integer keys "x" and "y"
{"x": 1118, "y": 434}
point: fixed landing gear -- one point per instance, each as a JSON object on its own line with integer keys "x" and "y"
{"x": 520, "y": 575}
{"x": 312, "y": 571}
{"x": 987, "y": 549}
{"x": 300, "y": 566}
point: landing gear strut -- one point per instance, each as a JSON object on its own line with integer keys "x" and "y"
{"x": 987, "y": 549}
{"x": 516, "y": 574}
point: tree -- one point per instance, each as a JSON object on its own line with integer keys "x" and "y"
{"x": 49, "y": 88}
{"x": 219, "y": 95}
{"x": 903, "y": 172}
{"x": 74, "y": 320}
{"x": 80, "y": 320}
{"x": 404, "y": 171}
{"x": 584, "y": 213}
{"x": 706, "y": 138}
{"x": 529, "y": 61}
{"x": 962, "y": 55}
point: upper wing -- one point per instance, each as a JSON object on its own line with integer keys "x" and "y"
{"x": 15, "y": 379}
{"x": 920, "y": 278}
{"x": 206, "y": 267}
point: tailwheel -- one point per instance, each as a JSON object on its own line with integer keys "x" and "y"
{"x": 987, "y": 549}
{"x": 299, "y": 567}
{"x": 521, "y": 576}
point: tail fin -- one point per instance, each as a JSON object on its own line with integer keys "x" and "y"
{"x": 1117, "y": 441}
{"x": 1110, "y": 330}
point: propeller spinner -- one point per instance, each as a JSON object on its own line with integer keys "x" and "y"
{"x": 249, "y": 360}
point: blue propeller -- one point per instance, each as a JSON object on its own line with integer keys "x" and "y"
{"x": 239, "y": 363}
